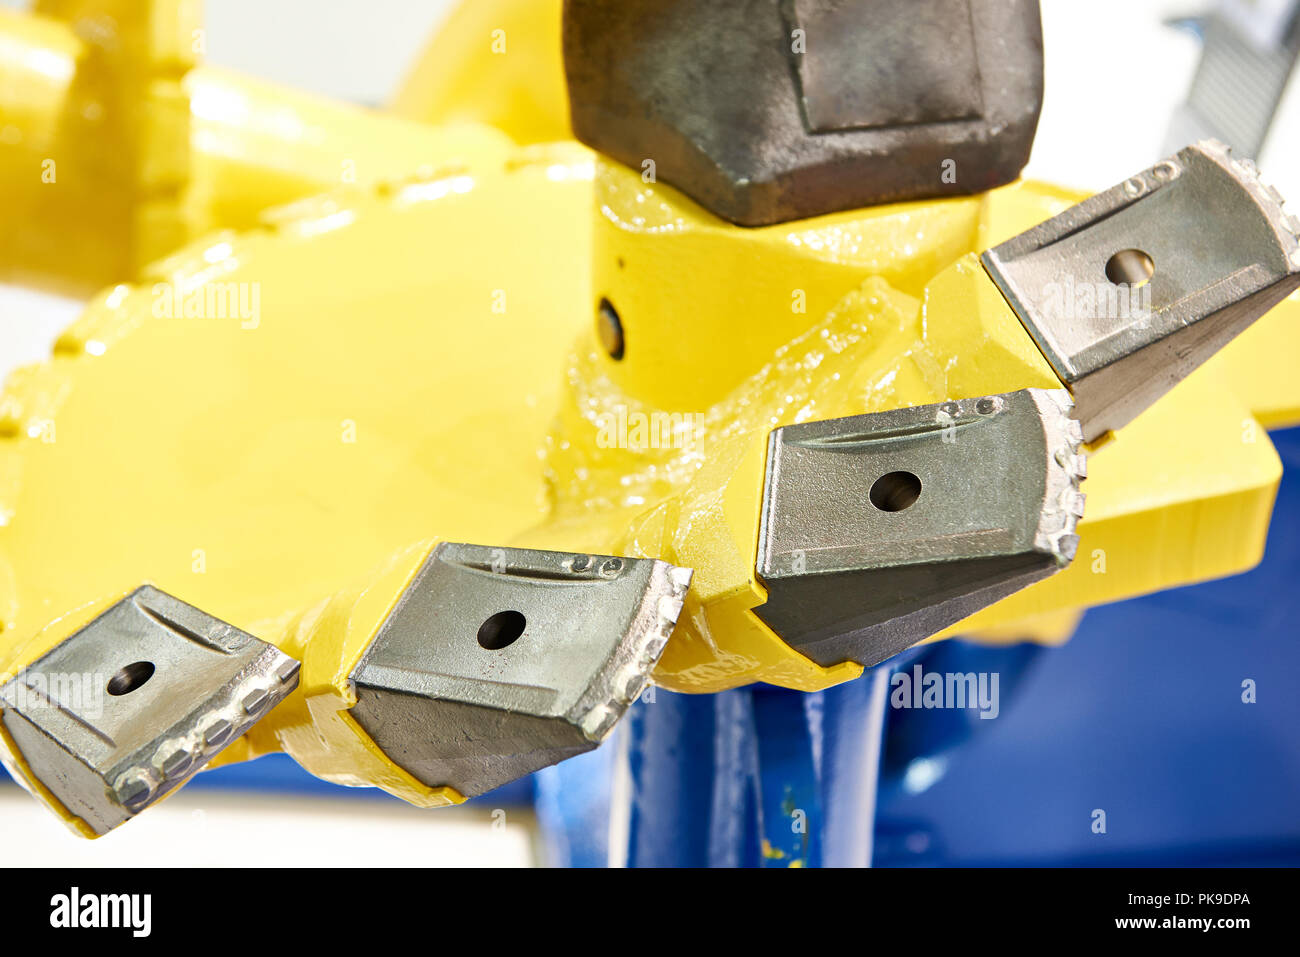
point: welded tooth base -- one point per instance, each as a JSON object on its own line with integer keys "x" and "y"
{"x": 881, "y": 530}
{"x": 1129, "y": 291}
{"x": 496, "y": 662}
{"x": 124, "y": 711}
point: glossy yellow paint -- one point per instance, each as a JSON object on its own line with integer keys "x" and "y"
{"x": 255, "y": 460}
{"x": 134, "y": 57}
{"x": 257, "y": 145}
{"x": 111, "y": 162}
{"x": 497, "y": 62}
{"x": 259, "y": 433}
{"x": 249, "y": 398}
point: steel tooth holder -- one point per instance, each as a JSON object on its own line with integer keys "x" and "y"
{"x": 127, "y": 709}
{"x": 1129, "y": 291}
{"x": 496, "y": 662}
{"x": 881, "y": 530}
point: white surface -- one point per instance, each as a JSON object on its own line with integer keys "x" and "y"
{"x": 234, "y": 829}
{"x": 1113, "y": 75}
{"x": 353, "y": 49}
{"x": 30, "y": 321}
{"x": 342, "y": 48}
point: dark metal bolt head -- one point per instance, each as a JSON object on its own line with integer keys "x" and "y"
{"x": 765, "y": 112}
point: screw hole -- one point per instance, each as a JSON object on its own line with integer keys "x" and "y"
{"x": 501, "y": 630}
{"x": 130, "y": 678}
{"x": 895, "y": 491}
{"x": 986, "y": 406}
{"x": 1130, "y": 267}
{"x": 610, "y": 329}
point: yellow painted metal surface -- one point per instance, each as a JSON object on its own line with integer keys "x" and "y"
{"x": 497, "y": 62}
{"x": 257, "y": 421}
{"x": 45, "y": 103}
{"x": 249, "y": 432}
{"x": 108, "y": 167}
{"x": 240, "y": 429}
{"x": 96, "y": 121}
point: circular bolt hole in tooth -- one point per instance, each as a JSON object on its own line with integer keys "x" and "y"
{"x": 610, "y": 329}
{"x": 986, "y": 406}
{"x": 581, "y": 563}
{"x": 895, "y": 491}
{"x": 130, "y": 678}
{"x": 611, "y": 567}
{"x": 1131, "y": 267}
{"x": 501, "y": 630}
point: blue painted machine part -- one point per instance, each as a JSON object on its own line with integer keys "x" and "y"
{"x": 752, "y": 777}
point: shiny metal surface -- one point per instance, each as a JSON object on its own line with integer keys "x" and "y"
{"x": 880, "y": 530}
{"x": 1221, "y": 252}
{"x": 496, "y": 662}
{"x": 132, "y": 705}
{"x": 766, "y": 112}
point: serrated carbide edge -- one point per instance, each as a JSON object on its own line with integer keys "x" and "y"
{"x": 1270, "y": 200}
{"x": 227, "y": 715}
{"x": 628, "y": 671}
{"x": 1066, "y": 466}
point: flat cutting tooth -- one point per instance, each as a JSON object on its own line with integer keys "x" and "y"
{"x": 496, "y": 662}
{"x": 124, "y": 711}
{"x": 881, "y": 530}
{"x": 1129, "y": 291}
